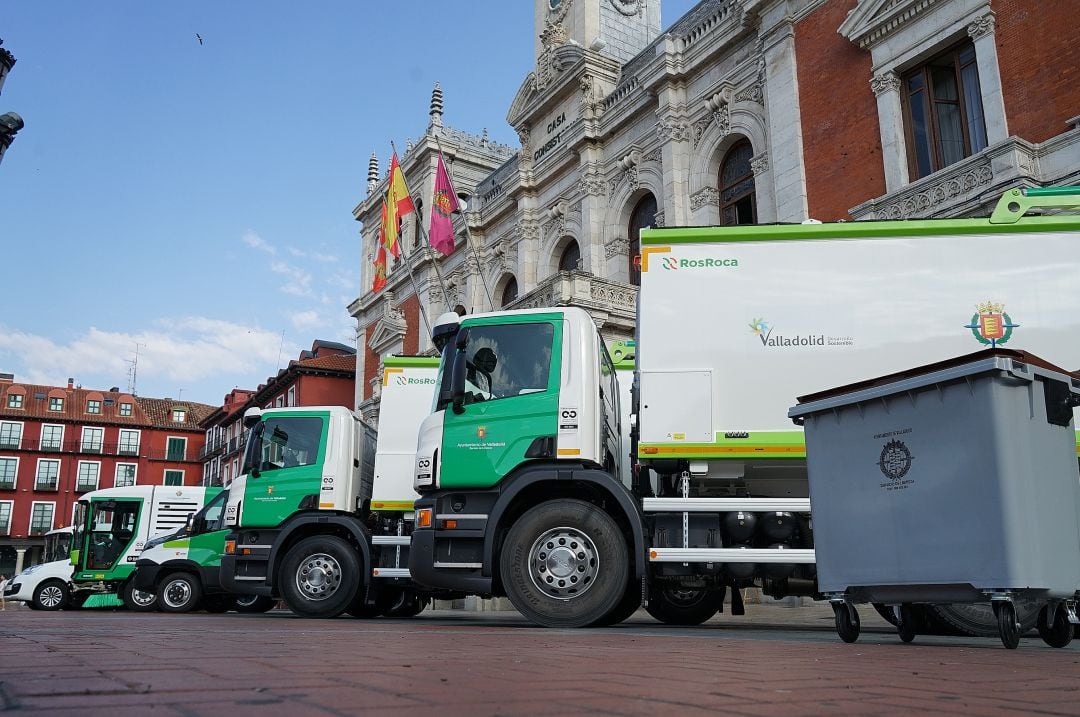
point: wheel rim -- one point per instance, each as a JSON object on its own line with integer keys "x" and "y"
{"x": 563, "y": 563}
{"x": 685, "y": 598}
{"x": 51, "y": 596}
{"x": 318, "y": 577}
{"x": 246, "y": 600}
{"x": 177, "y": 593}
{"x": 142, "y": 599}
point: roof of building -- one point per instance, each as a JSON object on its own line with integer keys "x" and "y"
{"x": 160, "y": 412}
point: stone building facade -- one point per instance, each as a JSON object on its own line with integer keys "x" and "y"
{"x": 742, "y": 111}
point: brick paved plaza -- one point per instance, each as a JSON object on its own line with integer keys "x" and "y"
{"x": 774, "y": 661}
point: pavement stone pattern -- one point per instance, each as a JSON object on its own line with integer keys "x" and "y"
{"x": 773, "y": 661}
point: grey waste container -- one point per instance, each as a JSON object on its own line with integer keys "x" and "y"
{"x": 952, "y": 482}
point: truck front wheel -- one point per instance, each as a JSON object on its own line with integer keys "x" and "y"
{"x": 320, "y": 576}
{"x": 137, "y": 600}
{"x": 179, "y": 592}
{"x": 565, "y": 564}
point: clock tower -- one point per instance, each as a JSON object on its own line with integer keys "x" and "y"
{"x": 619, "y": 29}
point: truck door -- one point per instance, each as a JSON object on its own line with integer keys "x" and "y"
{"x": 510, "y": 410}
{"x": 112, "y": 528}
{"x": 284, "y": 466}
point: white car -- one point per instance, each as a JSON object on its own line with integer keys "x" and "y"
{"x": 42, "y": 587}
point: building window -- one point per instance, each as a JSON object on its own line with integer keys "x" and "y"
{"x": 15, "y": 400}
{"x": 174, "y": 477}
{"x": 9, "y": 468}
{"x": 52, "y": 437}
{"x": 125, "y": 475}
{"x": 292, "y": 396}
{"x": 89, "y": 472}
{"x": 125, "y": 409}
{"x": 56, "y": 404}
{"x": 279, "y": 401}
{"x": 510, "y": 291}
{"x": 179, "y": 415}
{"x": 5, "y": 517}
{"x": 175, "y": 449}
{"x": 737, "y": 203}
{"x": 41, "y": 518}
{"x": 10, "y": 435}
{"x": 943, "y": 112}
{"x": 129, "y": 443}
{"x": 92, "y": 439}
{"x": 93, "y": 406}
{"x": 570, "y": 260}
{"x": 48, "y": 474}
{"x": 644, "y": 215}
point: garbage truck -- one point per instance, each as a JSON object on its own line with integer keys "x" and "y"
{"x": 322, "y": 513}
{"x": 112, "y": 527}
{"x": 523, "y": 492}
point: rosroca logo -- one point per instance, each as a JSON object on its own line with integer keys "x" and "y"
{"x": 672, "y": 263}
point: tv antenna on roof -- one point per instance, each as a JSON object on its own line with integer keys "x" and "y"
{"x": 133, "y": 369}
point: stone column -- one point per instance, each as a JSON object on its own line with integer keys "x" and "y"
{"x": 785, "y": 125}
{"x": 981, "y": 32}
{"x": 886, "y": 88}
{"x": 20, "y": 555}
{"x": 674, "y": 132}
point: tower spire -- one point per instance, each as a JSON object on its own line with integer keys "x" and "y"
{"x": 436, "y": 111}
{"x": 372, "y": 173}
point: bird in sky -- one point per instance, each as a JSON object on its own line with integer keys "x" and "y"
{"x": 198, "y": 37}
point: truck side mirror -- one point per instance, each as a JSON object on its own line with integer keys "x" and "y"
{"x": 457, "y": 396}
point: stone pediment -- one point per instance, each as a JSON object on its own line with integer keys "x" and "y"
{"x": 872, "y": 21}
{"x": 390, "y": 328}
{"x": 544, "y": 85}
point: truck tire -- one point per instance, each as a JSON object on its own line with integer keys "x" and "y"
{"x": 979, "y": 620}
{"x": 684, "y": 607}
{"x": 137, "y": 600}
{"x": 254, "y": 603}
{"x": 320, "y": 576}
{"x": 564, "y": 563}
{"x": 179, "y": 592}
{"x": 51, "y": 595}
{"x": 629, "y": 604}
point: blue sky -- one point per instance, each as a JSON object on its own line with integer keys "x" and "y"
{"x": 193, "y": 201}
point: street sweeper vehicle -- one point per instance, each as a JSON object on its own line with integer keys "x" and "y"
{"x": 523, "y": 490}
{"x": 322, "y": 512}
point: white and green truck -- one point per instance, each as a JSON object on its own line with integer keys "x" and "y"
{"x": 322, "y": 512}
{"x": 523, "y": 490}
{"x": 112, "y": 527}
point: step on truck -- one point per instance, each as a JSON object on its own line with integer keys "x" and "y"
{"x": 523, "y": 492}
{"x": 112, "y": 527}
{"x": 322, "y": 513}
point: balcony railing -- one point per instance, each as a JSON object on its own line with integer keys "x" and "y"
{"x": 45, "y": 484}
{"x": 7, "y": 484}
{"x": 77, "y": 446}
{"x": 612, "y": 303}
{"x": 40, "y": 529}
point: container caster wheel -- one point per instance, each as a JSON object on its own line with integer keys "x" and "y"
{"x": 1008, "y": 629}
{"x": 1058, "y": 634}
{"x": 847, "y": 621}
{"x": 905, "y": 624}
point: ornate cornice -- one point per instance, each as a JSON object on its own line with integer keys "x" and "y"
{"x": 885, "y": 82}
{"x": 982, "y": 26}
{"x": 706, "y": 196}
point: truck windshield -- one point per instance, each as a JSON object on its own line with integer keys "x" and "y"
{"x": 445, "y": 379}
{"x": 284, "y": 442}
{"x": 112, "y": 528}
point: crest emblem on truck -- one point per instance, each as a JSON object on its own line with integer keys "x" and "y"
{"x": 990, "y": 325}
{"x": 481, "y": 432}
{"x": 269, "y": 490}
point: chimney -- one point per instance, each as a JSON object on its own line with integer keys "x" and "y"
{"x": 7, "y": 378}
{"x": 71, "y": 383}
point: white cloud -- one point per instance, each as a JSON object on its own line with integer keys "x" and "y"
{"x": 326, "y": 258}
{"x": 299, "y": 283}
{"x": 304, "y": 320}
{"x": 206, "y": 357}
{"x": 255, "y": 241}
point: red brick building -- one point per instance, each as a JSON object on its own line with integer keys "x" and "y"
{"x": 57, "y": 443}
{"x": 323, "y": 376}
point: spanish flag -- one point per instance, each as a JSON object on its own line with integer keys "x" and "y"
{"x": 380, "y": 270}
{"x": 400, "y": 203}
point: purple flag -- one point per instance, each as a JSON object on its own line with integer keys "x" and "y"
{"x": 443, "y": 205}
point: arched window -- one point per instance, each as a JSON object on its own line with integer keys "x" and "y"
{"x": 570, "y": 260}
{"x": 644, "y": 216}
{"x": 737, "y": 203}
{"x": 510, "y": 292}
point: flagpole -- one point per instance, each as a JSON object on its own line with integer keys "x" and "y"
{"x": 468, "y": 234}
{"x": 405, "y": 255}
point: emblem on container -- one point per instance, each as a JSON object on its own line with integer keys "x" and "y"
{"x": 990, "y": 325}
{"x": 895, "y": 460}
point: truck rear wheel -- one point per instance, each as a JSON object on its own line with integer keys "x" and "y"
{"x": 320, "y": 576}
{"x": 674, "y": 606}
{"x": 564, "y": 564}
{"x": 179, "y": 592}
{"x": 137, "y": 600}
{"x": 254, "y": 603}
